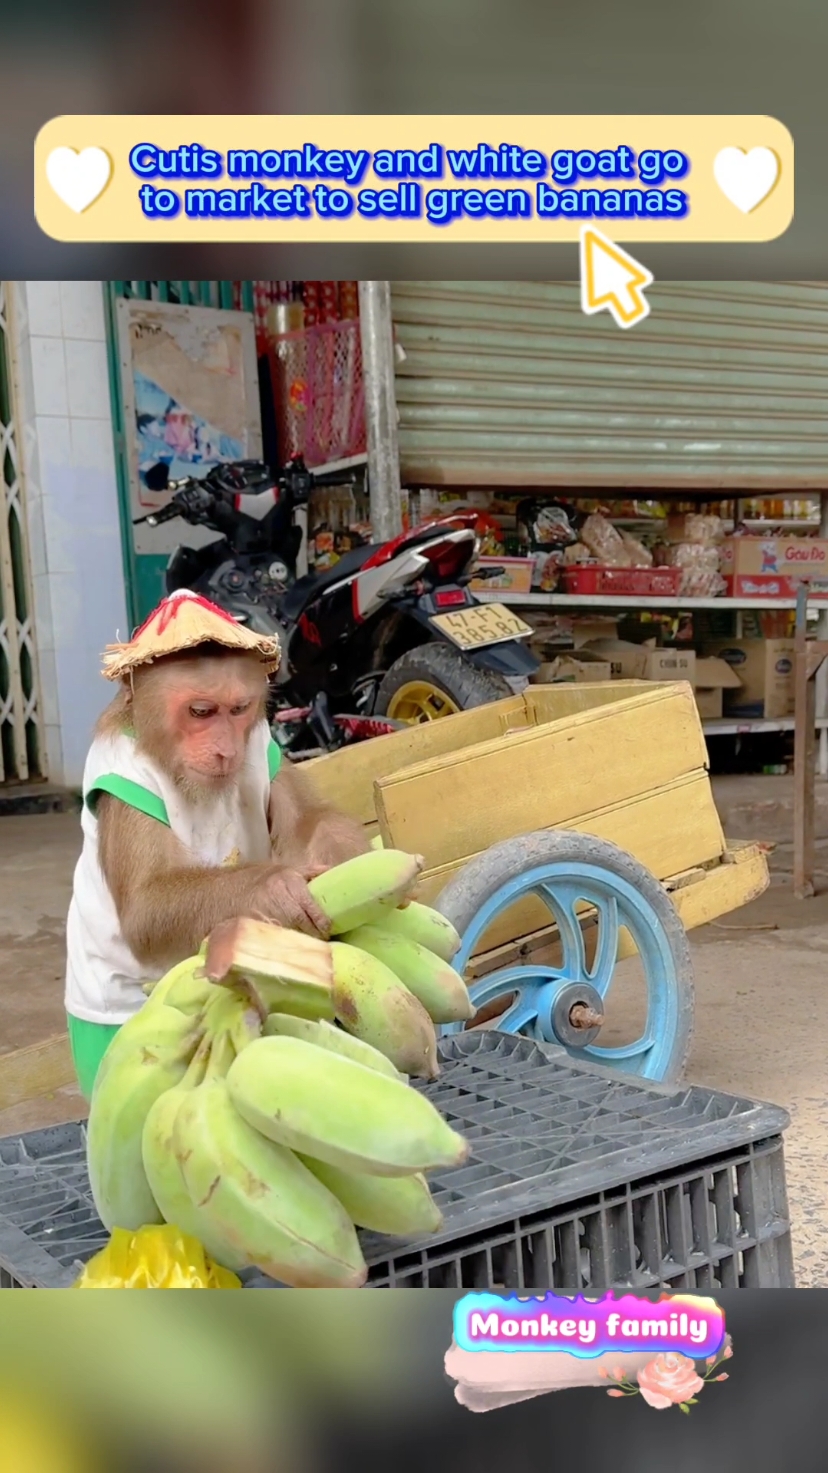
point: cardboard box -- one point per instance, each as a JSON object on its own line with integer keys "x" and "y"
{"x": 713, "y": 677}
{"x": 772, "y": 567}
{"x": 643, "y": 662}
{"x": 669, "y": 664}
{"x": 585, "y": 669}
{"x": 515, "y": 578}
{"x": 586, "y": 631}
{"x": 765, "y": 668}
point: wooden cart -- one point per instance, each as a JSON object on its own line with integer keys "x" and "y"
{"x": 623, "y": 765}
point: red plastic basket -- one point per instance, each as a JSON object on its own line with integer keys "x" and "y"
{"x": 592, "y": 578}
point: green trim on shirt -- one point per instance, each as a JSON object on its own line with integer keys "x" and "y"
{"x": 130, "y": 793}
{"x": 136, "y": 796}
{"x": 274, "y": 759}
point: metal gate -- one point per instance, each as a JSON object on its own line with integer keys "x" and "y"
{"x": 22, "y": 749}
{"x": 725, "y": 385}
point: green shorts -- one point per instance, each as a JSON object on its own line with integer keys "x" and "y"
{"x": 88, "y": 1042}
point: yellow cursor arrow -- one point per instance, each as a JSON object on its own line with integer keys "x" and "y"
{"x": 612, "y": 281}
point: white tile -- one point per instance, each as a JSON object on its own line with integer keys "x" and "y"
{"x": 63, "y": 542}
{"x": 44, "y": 629}
{"x": 43, "y": 306}
{"x": 47, "y": 671}
{"x": 37, "y": 535}
{"x": 104, "y": 602}
{"x": 83, "y": 694}
{"x": 66, "y": 596}
{"x": 93, "y": 448}
{"x": 49, "y": 376}
{"x": 54, "y": 451}
{"x": 87, "y": 372}
{"x": 27, "y": 444}
{"x": 82, "y": 309}
{"x": 54, "y": 756}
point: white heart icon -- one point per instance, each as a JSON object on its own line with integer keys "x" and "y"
{"x": 78, "y": 178}
{"x": 746, "y": 178}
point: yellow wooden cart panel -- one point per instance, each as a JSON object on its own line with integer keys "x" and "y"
{"x": 625, "y": 761}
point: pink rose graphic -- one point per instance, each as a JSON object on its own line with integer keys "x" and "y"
{"x": 669, "y": 1380}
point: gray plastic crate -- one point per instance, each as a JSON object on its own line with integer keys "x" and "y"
{"x": 578, "y": 1179}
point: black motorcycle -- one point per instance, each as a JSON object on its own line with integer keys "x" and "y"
{"x": 391, "y": 632}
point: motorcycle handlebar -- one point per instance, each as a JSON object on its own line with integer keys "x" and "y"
{"x": 157, "y": 518}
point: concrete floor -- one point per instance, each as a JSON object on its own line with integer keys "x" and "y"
{"x": 762, "y": 999}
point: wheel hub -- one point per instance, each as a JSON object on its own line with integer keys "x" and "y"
{"x": 577, "y": 1014}
{"x": 419, "y": 701}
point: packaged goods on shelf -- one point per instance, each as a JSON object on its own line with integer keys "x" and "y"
{"x": 554, "y": 626}
{"x": 773, "y": 567}
{"x": 695, "y": 527}
{"x": 699, "y": 565}
{"x": 703, "y": 556}
{"x": 348, "y": 300}
{"x": 443, "y": 503}
{"x": 586, "y": 631}
{"x": 713, "y": 677}
{"x": 544, "y": 527}
{"x": 578, "y": 552}
{"x": 584, "y": 668}
{"x": 515, "y": 577}
{"x": 644, "y": 662}
{"x": 550, "y": 574}
{"x": 639, "y": 555}
{"x": 604, "y": 542}
{"x": 284, "y": 317}
{"x": 765, "y": 668}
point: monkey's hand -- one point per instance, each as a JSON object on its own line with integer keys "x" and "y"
{"x": 282, "y": 895}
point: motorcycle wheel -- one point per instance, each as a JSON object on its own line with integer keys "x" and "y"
{"x": 431, "y": 682}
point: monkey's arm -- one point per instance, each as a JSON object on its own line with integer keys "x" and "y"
{"x": 166, "y": 904}
{"x": 307, "y": 834}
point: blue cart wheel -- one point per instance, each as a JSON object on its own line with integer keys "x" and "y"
{"x": 566, "y": 1003}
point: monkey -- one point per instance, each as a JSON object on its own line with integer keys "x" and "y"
{"x": 190, "y": 818}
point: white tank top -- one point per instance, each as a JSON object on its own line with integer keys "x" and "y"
{"x": 103, "y": 978}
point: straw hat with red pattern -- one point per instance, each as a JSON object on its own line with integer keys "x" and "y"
{"x": 180, "y": 622}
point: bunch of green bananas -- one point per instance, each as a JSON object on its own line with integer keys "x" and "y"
{"x": 259, "y": 1102}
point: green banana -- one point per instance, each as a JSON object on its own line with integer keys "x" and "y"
{"x": 154, "y": 1027}
{"x": 281, "y": 970}
{"x": 373, "y": 1005}
{"x": 258, "y": 1197}
{"x": 180, "y": 979}
{"x": 163, "y": 1171}
{"x": 426, "y": 927}
{"x": 138, "y": 1072}
{"x": 334, "y": 1110}
{"x": 362, "y": 889}
{"x": 335, "y": 1039}
{"x": 401, "y": 1206}
{"x": 440, "y": 989}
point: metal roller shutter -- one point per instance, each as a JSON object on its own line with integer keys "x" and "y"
{"x": 725, "y": 385}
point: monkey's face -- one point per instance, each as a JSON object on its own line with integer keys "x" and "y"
{"x": 195, "y": 717}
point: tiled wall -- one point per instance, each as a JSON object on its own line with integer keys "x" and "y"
{"x": 71, "y": 495}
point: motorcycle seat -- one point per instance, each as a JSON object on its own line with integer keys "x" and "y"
{"x": 300, "y": 594}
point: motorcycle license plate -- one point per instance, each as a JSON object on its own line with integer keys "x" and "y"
{"x": 484, "y": 624}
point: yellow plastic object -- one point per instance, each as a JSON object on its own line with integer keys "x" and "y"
{"x": 154, "y": 1258}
